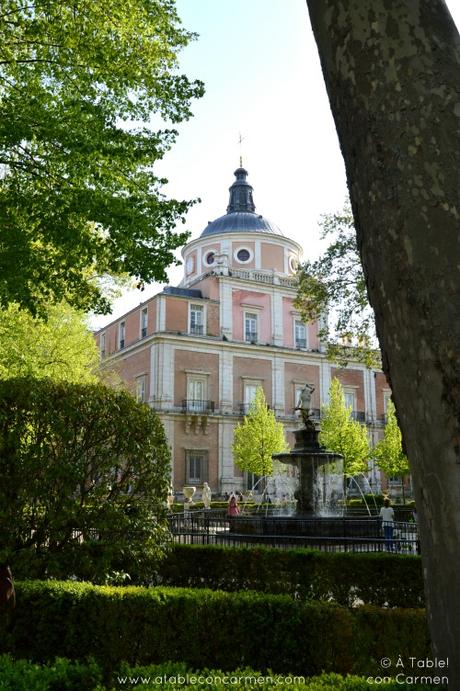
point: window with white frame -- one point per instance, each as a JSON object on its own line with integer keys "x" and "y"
{"x": 249, "y": 394}
{"x": 196, "y": 319}
{"x": 350, "y": 399}
{"x": 121, "y": 335}
{"x": 196, "y": 466}
{"x": 196, "y": 394}
{"x": 140, "y": 389}
{"x": 250, "y": 327}
{"x": 102, "y": 345}
{"x": 144, "y": 321}
{"x": 300, "y": 334}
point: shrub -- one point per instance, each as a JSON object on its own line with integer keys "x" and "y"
{"x": 84, "y": 475}
{"x": 345, "y": 578}
{"x": 63, "y": 675}
{"x": 205, "y": 629}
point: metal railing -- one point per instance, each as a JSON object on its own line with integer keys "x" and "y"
{"x": 335, "y": 534}
{"x": 191, "y": 405}
{"x": 250, "y": 336}
{"x": 197, "y": 329}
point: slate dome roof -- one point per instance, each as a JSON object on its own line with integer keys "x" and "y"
{"x": 241, "y": 213}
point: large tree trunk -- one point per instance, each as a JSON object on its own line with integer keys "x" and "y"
{"x": 392, "y": 71}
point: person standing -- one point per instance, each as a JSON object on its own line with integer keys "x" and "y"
{"x": 387, "y": 515}
{"x": 233, "y": 509}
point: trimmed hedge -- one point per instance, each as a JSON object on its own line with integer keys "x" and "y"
{"x": 63, "y": 675}
{"x": 204, "y": 628}
{"x": 344, "y": 578}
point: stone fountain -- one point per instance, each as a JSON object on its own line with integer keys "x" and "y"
{"x": 320, "y": 472}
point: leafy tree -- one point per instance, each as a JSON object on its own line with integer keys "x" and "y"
{"x": 388, "y": 451}
{"x": 84, "y": 476}
{"x": 79, "y": 84}
{"x": 342, "y": 434}
{"x": 334, "y": 285}
{"x": 61, "y": 348}
{"x": 394, "y": 97}
{"x": 258, "y": 437}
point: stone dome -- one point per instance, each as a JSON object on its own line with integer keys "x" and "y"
{"x": 241, "y": 213}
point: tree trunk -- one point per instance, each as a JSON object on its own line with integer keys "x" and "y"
{"x": 392, "y": 71}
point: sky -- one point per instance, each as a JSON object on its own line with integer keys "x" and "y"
{"x": 260, "y": 65}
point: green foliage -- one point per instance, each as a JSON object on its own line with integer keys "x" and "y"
{"x": 341, "y": 434}
{"x": 59, "y": 675}
{"x": 258, "y": 437}
{"x": 344, "y": 578}
{"x": 84, "y": 475}
{"x": 61, "y": 348}
{"x": 206, "y": 629}
{"x": 63, "y": 674}
{"x": 79, "y": 86}
{"x": 334, "y": 284}
{"x": 388, "y": 451}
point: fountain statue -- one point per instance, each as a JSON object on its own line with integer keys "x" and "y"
{"x": 319, "y": 475}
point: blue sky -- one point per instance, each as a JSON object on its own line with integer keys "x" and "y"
{"x": 261, "y": 70}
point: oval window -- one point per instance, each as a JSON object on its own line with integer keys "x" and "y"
{"x": 293, "y": 264}
{"x": 210, "y": 258}
{"x": 243, "y": 255}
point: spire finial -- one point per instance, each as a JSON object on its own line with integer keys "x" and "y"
{"x": 240, "y": 140}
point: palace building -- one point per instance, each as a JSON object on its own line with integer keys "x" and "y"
{"x": 196, "y": 353}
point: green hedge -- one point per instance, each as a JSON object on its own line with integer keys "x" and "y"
{"x": 345, "y": 578}
{"x": 204, "y": 628}
{"x": 63, "y": 675}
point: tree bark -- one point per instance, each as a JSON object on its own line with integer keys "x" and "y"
{"x": 392, "y": 71}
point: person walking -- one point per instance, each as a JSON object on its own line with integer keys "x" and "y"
{"x": 387, "y": 515}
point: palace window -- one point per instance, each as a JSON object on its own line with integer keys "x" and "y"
{"x": 144, "y": 319}
{"x": 250, "y": 327}
{"x": 196, "y": 320}
{"x": 300, "y": 334}
{"x": 140, "y": 389}
{"x": 196, "y": 466}
{"x": 121, "y": 335}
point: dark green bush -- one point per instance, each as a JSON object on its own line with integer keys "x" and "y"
{"x": 60, "y": 675}
{"x": 204, "y": 628}
{"x": 84, "y": 478}
{"x": 345, "y": 578}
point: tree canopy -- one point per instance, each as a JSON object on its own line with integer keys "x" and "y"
{"x": 61, "y": 348}
{"x": 332, "y": 291}
{"x": 342, "y": 434}
{"x": 79, "y": 86}
{"x": 85, "y": 474}
{"x": 258, "y": 437}
{"x": 388, "y": 452}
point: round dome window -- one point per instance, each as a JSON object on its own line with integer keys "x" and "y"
{"x": 243, "y": 255}
{"x": 209, "y": 259}
{"x": 293, "y": 264}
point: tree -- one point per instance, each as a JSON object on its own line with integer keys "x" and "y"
{"x": 388, "y": 452}
{"x": 258, "y": 437}
{"x": 391, "y": 70}
{"x": 79, "y": 86}
{"x": 343, "y": 435}
{"x": 61, "y": 348}
{"x": 334, "y": 285}
{"x": 85, "y": 475}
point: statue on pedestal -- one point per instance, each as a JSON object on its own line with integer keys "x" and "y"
{"x": 206, "y": 495}
{"x": 304, "y": 404}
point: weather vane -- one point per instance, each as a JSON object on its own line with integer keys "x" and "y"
{"x": 240, "y": 140}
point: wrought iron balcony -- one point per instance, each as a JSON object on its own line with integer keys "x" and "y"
{"x": 197, "y": 329}
{"x": 191, "y": 405}
{"x": 250, "y": 336}
{"x": 301, "y": 343}
{"x": 358, "y": 415}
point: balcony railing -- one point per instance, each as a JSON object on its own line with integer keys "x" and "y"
{"x": 250, "y": 336}
{"x": 301, "y": 343}
{"x": 358, "y": 415}
{"x": 191, "y": 405}
{"x": 197, "y": 329}
{"x": 243, "y": 408}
